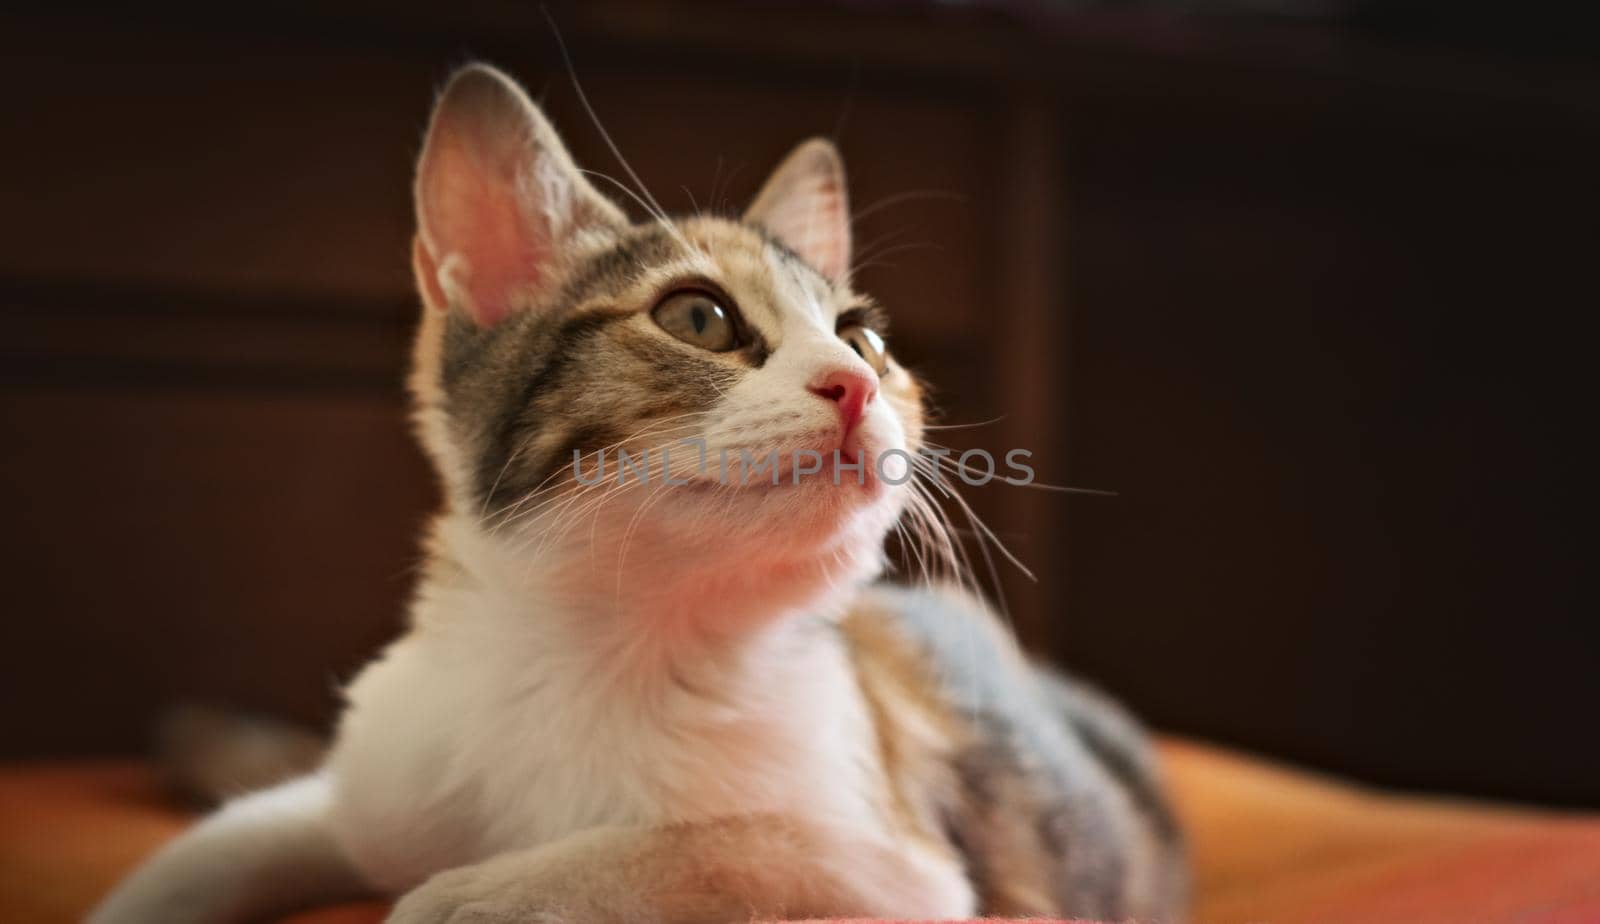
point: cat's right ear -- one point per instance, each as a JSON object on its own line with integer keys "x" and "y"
{"x": 498, "y": 199}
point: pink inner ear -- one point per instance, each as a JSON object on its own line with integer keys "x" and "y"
{"x": 830, "y": 228}
{"x": 809, "y": 215}
{"x": 485, "y": 248}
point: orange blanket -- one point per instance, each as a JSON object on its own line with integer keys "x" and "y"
{"x": 1270, "y": 845}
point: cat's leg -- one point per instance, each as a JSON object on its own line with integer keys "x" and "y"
{"x": 729, "y": 870}
{"x": 259, "y": 855}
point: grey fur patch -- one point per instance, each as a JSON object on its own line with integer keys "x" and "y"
{"x": 1041, "y": 735}
{"x": 620, "y": 266}
{"x": 1117, "y": 739}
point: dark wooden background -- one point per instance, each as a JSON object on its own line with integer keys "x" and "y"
{"x": 1315, "y": 304}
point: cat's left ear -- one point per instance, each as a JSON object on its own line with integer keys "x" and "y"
{"x": 805, "y": 206}
{"x": 498, "y": 199}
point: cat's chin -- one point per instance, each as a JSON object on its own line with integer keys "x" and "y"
{"x": 812, "y": 519}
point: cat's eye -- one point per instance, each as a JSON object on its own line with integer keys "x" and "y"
{"x": 697, "y": 319}
{"x": 868, "y": 345}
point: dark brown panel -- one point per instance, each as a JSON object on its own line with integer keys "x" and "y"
{"x": 1329, "y": 355}
{"x": 217, "y": 163}
{"x": 166, "y": 544}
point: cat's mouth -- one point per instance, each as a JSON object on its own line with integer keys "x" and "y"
{"x": 852, "y": 469}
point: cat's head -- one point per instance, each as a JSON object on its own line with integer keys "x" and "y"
{"x": 557, "y": 333}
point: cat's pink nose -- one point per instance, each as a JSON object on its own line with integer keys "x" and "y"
{"x": 850, "y": 391}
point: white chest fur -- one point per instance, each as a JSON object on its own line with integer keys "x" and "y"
{"x": 491, "y": 729}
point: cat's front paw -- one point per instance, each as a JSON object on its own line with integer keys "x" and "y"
{"x": 472, "y": 895}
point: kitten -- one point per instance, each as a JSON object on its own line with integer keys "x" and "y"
{"x": 678, "y": 702}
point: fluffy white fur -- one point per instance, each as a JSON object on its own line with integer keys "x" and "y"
{"x": 532, "y": 719}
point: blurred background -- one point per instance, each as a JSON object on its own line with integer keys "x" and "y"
{"x": 1303, "y": 281}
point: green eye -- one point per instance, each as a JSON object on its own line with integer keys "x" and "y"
{"x": 868, "y": 345}
{"x": 697, "y": 319}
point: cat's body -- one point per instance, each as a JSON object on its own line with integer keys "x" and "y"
{"x": 680, "y": 701}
